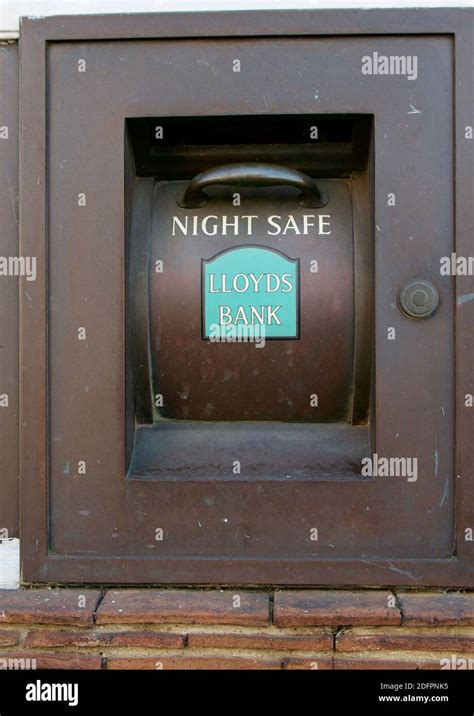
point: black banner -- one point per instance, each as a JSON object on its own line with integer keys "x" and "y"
{"x": 379, "y": 692}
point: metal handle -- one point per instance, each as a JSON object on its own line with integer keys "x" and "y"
{"x": 252, "y": 174}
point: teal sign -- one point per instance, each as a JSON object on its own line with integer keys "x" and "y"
{"x": 250, "y": 291}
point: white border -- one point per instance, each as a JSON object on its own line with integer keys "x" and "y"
{"x": 12, "y": 10}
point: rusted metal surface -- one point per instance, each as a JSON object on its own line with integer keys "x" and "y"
{"x": 200, "y": 380}
{"x": 198, "y": 450}
{"x": 9, "y": 391}
{"x": 362, "y": 222}
{"x": 100, "y": 526}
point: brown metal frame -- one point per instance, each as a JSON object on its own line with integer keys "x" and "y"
{"x": 9, "y": 417}
{"x": 39, "y": 563}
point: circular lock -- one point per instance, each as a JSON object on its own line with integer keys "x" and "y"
{"x": 418, "y": 298}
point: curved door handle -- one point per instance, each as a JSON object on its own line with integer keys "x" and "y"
{"x": 253, "y": 175}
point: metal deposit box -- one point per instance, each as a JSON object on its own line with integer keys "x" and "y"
{"x": 242, "y": 362}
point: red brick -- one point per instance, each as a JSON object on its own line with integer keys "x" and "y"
{"x": 191, "y": 663}
{"x": 437, "y": 608}
{"x": 182, "y": 606}
{"x": 402, "y": 640}
{"x": 48, "y": 606}
{"x": 57, "y": 661}
{"x": 311, "y": 663}
{"x": 393, "y": 661}
{"x": 290, "y": 642}
{"x": 9, "y": 638}
{"x": 374, "y": 662}
{"x": 147, "y": 639}
{"x": 334, "y": 607}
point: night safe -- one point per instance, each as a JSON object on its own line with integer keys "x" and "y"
{"x": 246, "y": 332}
{"x": 241, "y": 360}
{"x": 252, "y": 274}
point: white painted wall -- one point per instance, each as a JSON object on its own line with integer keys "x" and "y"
{"x": 9, "y": 563}
{"x": 12, "y": 10}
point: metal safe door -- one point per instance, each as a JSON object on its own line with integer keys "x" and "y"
{"x": 269, "y": 377}
{"x": 90, "y": 515}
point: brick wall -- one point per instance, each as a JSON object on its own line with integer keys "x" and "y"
{"x": 232, "y": 628}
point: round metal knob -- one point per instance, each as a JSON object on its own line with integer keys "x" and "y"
{"x": 418, "y": 298}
